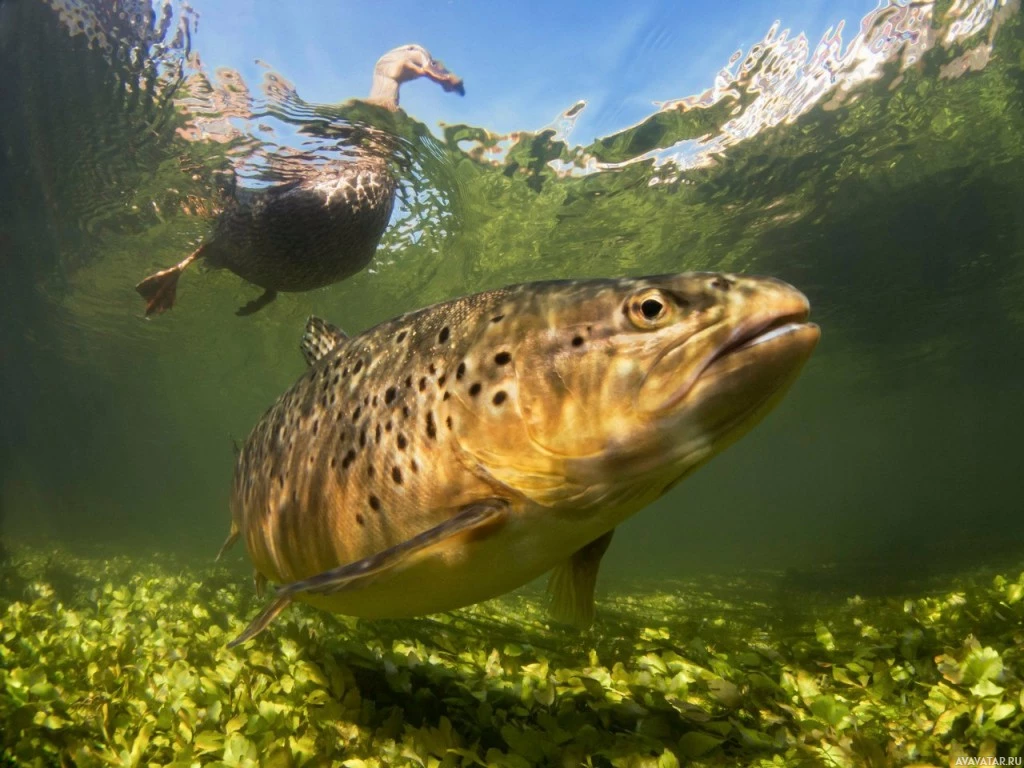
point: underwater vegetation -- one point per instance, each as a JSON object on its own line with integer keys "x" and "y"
{"x": 121, "y": 661}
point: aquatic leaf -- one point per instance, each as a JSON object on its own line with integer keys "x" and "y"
{"x": 824, "y": 636}
{"x": 725, "y": 692}
{"x": 697, "y": 743}
{"x": 49, "y": 721}
{"x": 828, "y": 709}
{"x": 239, "y": 751}
{"x": 986, "y": 688}
{"x": 753, "y": 739}
{"x": 236, "y": 723}
{"x": 140, "y": 743}
{"x": 1014, "y": 593}
{"x": 1001, "y": 711}
{"x": 806, "y": 686}
{"x": 523, "y": 742}
{"x": 209, "y": 741}
{"x": 982, "y": 664}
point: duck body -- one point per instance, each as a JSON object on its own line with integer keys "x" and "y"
{"x": 309, "y": 233}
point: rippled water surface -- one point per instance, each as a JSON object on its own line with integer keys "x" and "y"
{"x": 875, "y": 159}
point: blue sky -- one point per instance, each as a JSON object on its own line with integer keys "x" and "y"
{"x": 523, "y": 62}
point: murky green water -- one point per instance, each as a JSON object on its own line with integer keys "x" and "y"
{"x": 883, "y": 175}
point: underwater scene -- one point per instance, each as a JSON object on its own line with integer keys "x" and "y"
{"x": 462, "y": 384}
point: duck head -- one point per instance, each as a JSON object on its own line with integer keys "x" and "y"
{"x": 408, "y": 62}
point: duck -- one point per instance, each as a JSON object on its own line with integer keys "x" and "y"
{"x": 317, "y": 229}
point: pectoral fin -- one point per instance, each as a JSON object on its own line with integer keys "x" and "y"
{"x": 231, "y": 539}
{"x": 572, "y": 584}
{"x": 471, "y": 518}
{"x": 319, "y": 339}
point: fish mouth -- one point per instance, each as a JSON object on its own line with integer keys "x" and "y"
{"x": 744, "y": 377}
{"x": 765, "y": 331}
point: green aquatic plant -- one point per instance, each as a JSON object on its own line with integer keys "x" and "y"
{"x": 132, "y": 669}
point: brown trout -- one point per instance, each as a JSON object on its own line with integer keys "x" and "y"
{"x": 457, "y": 452}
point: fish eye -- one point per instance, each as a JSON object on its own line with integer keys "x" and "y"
{"x": 647, "y": 309}
{"x": 652, "y": 308}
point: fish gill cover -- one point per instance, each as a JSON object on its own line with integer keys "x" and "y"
{"x": 879, "y": 169}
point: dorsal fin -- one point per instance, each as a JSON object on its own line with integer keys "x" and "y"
{"x": 319, "y": 338}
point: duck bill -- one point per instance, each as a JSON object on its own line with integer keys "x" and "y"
{"x": 437, "y": 72}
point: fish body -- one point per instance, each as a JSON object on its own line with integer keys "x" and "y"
{"x": 457, "y": 452}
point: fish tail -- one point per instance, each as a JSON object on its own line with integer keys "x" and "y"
{"x": 160, "y": 289}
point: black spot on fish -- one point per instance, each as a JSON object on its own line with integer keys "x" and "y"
{"x": 415, "y": 467}
{"x": 362, "y": 438}
{"x": 448, "y": 421}
{"x": 497, "y": 318}
{"x": 389, "y": 425}
{"x": 432, "y": 368}
{"x": 577, "y": 341}
{"x": 359, "y": 366}
{"x": 349, "y": 458}
{"x": 408, "y": 381}
{"x": 460, "y": 371}
{"x": 402, "y": 442}
{"x": 405, "y": 411}
{"x": 389, "y": 396}
{"x": 423, "y": 383}
{"x": 378, "y": 434}
{"x": 431, "y": 427}
{"x": 499, "y": 397}
{"x": 401, "y": 337}
{"x": 445, "y": 396}
{"x": 356, "y": 413}
{"x": 370, "y": 470}
{"x": 374, "y": 401}
{"x": 360, "y": 520}
{"x": 441, "y": 381}
{"x": 475, "y": 389}
{"x": 375, "y": 503}
{"x": 502, "y": 358}
{"x": 334, "y": 461}
{"x": 396, "y": 475}
{"x": 442, "y": 337}
{"x": 316, "y": 426}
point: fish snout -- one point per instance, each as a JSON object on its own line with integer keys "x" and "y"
{"x": 756, "y": 332}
